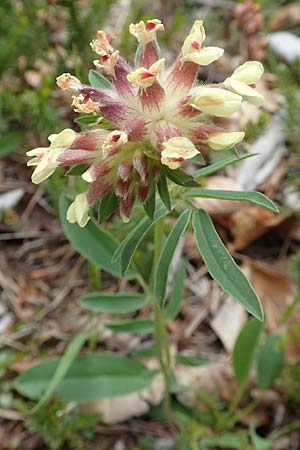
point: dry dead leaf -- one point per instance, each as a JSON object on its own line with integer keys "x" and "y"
{"x": 270, "y": 149}
{"x": 288, "y": 14}
{"x": 217, "y": 377}
{"x": 119, "y": 409}
{"x": 276, "y": 290}
{"x": 228, "y": 322}
{"x": 249, "y": 224}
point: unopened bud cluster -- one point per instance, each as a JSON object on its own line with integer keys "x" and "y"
{"x": 161, "y": 117}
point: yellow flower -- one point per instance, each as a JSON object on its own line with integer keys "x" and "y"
{"x": 192, "y": 47}
{"x": 45, "y": 158}
{"x": 68, "y": 82}
{"x": 146, "y": 32}
{"x": 176, "y": 150}
{"x": 224, "y": 141}
{"x": 78, "y": 211}
{"x": 146, "y": 77}
{"x": 215, "y": 101}
{"x": 243, "y": 80}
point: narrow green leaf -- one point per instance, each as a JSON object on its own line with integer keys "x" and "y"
{"x": 89, "y": 378}
{"x": 163, "y": 190}
{"x": 226, "y": 441}
{"x": 221, "y": 265}
{"x": 128, "y": 246}
{"x": 98, "y": 80}
{"x": 218, "y": 165}
{"x": 79, "y": 169}
{"x": 257, "y": 198}
{"x": 191, "y": 362}
{"x": 245, "y": 349}
{"x": 62, "y": 368}
{"x": 177, "y": 294}
{"x": 149, "y": 205}
{"x": 179, "y": 177}
{"x": 270, "y": 361}
{"x": 108, "y": 204}
{"x": 95, "y": 244}
{"x": 164, "y": 263}
{"x": 10, "y": 141}
{"x": 88, "y": 119}
{"x": 132, "y": 326}
{"x": 113, "y": 303}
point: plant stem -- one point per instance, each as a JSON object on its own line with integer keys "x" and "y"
{"x": 160, "y": 328}
{"x": 158, "y": 239}
{"x": 285, "y": 430}
{"x": 94, "y": 277}
{"x": 237, "y": 398}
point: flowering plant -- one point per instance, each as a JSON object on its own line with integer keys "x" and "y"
{"x": 141, "y": 126}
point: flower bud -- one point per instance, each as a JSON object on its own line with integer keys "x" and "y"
{"x": 225, "y": 141}
{"x": 146, "y": 77}
{"x": 78, "y": 211}
{"x": 146, "y": 32}
{"x": 176, "y": 150}
{"x": 215, "y": 101}
{"x": 68, "y": 82}
{"x": 46, "y": 158}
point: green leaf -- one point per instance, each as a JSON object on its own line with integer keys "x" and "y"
{"x": 245, "y": 349}
{"x": 191, "y": 362}
{"x": 98, "y": 80}
{"x": 128, "y": 246}
{"x": 258, "y": 442}
{"x": 164, "y": 263}
{"x": 270, "y": 361}
{"x": 218, "y": 165}
{"x": 88, "y": 119}
{"x": 108, "y": 204}
{"x": 163, "y": 190}
{"x": 222, "y": 267}
{"x": 10, "y": 142}
{"x": 179, "y": 177}
{"x": 242, "y": 196}
{"x": 62, "y": 368}
{"x": 149, "y": 205}
{"x": 95, "y": 244}
{"x": 177, "y": 294}
{"x": 90, "y": 378}
{"x": 226, "y": 441}
{"x": 112, "y": 303}
{"x": 132, "y": 326}
{"x": 79, "y": 169}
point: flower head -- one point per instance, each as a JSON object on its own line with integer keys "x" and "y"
{"x": 78, "y": 211}
{"x": 176, "y": 150}
{"x": 215, "y": 101}
{"x": 192, "y": 47}
{"x": 154, "y": 117}
{"x": 45, "y": 158}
